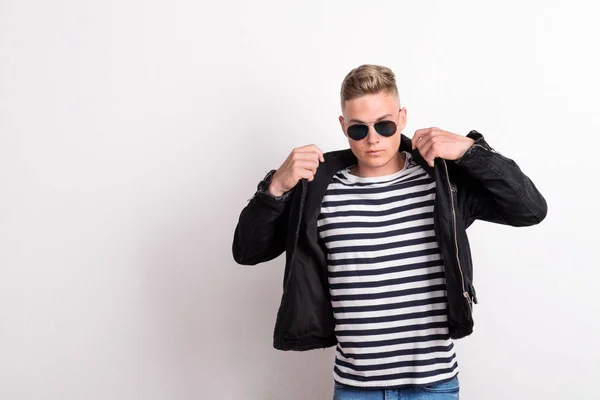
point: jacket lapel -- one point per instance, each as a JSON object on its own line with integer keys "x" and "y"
{"x": 314, "y": 192}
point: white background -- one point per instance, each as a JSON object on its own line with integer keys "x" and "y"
{"x": 132, "y": 133}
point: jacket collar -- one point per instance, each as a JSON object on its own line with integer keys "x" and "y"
{"x": 340, "y": 159}
{"x": 344, "y": 158}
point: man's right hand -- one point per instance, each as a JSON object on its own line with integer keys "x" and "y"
{"x": 302, "y": 163}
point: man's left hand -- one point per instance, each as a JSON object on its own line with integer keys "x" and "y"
{"x": 435, "y": 142}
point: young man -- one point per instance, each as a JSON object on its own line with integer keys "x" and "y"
{"x": 377, "y": 256}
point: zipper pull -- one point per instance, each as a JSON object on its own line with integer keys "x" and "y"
{"x": 466, "y": 294}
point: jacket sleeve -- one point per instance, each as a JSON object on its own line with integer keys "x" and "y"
{"x": 261, "y": 231}
{"x": 499, "y": 191}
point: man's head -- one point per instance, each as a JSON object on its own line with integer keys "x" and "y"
{"x": 369, "y": 96}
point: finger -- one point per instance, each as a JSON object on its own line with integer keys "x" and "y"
{"x": 432, "y": 135}
{"x": 414, "y": 139}
{"x": 306, "y": 174}
{"x": 429, "y": 157}
{"x": 320, "y": 152}
{"x": 421, "y": 139}
{"x": 418, "y": 135}
{"x": 310, "y": 165}
{"x": 433, "y": 148}
{"x": 306, "y": 156}
{"x": 312, "y": 147}
{"x": 426, "y": 143}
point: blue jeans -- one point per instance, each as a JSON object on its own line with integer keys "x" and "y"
{"x": 442, "y": 391}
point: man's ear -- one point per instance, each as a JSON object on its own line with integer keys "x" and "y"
{"x": 341, "y": 119}
{"x": 403, "y": 118}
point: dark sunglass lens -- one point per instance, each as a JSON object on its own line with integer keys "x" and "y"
{"x": 386, "y": 128}
{"x": 357, "y": 132}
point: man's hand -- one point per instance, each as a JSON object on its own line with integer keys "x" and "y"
{"x": 302, "y": 163}
{"x": 435, "y": 142}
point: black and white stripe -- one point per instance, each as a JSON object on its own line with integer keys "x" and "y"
{"x": 386, "y": 279}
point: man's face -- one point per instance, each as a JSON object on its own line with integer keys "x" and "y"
{"x": 376, "y": 154}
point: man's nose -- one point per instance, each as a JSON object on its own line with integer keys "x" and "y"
{"x": 372, "y": 135}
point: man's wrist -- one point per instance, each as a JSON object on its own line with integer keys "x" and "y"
{"x": 268, "y": 189}
{"x": 274, "y": 190}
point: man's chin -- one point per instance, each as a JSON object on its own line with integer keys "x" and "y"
{"x": 374, "y": 161}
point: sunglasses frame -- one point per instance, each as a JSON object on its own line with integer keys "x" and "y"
{"x": 376, "y": 125}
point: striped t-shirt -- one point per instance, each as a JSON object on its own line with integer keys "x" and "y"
{"x": 386, "y": 279}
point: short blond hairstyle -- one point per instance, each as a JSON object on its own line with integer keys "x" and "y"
{"x": 368, "y": 79}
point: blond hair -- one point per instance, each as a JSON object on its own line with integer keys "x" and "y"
{"x": 368, "y": 79}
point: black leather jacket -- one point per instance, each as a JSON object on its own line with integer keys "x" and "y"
{"x": 482, "y": 184}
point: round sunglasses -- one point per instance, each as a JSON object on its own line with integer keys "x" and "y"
{"x": 360, "y": 131}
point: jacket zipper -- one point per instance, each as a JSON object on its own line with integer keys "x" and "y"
{"x": 465, "y": 292}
